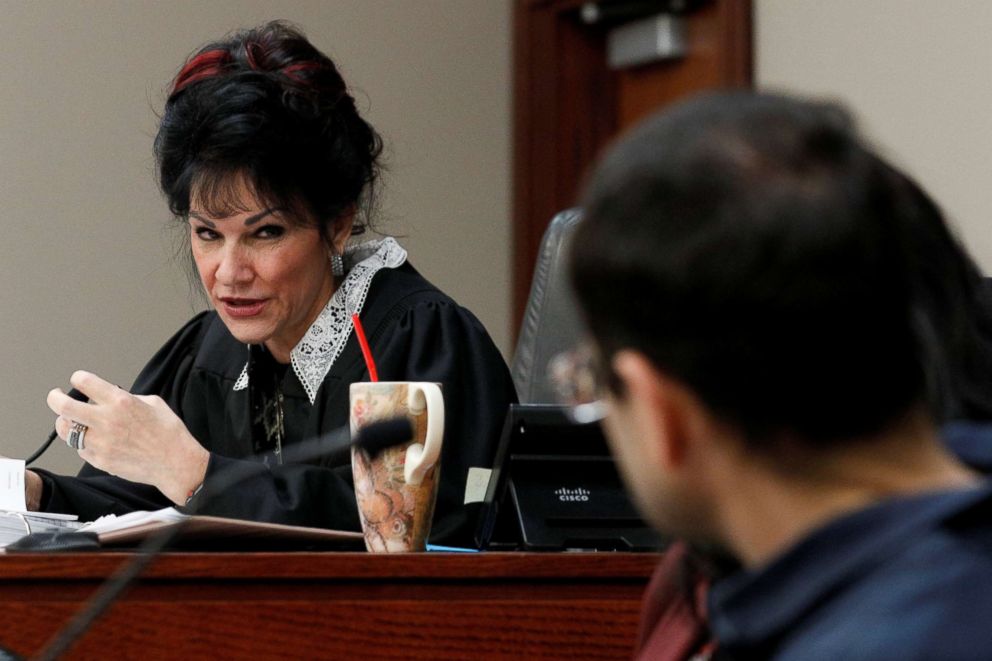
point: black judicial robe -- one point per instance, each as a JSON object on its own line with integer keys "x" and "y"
{"x": 416, "y": 333}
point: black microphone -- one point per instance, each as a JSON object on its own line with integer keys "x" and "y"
{"x": 374, "y": 438}
{"x": 379, "y": 436}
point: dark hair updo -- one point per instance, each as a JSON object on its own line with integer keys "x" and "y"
{"x": 266, "y": 105}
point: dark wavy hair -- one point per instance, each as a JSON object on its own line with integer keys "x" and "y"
{"x": 753, "y": 247}
{"x": 266, "y": 105}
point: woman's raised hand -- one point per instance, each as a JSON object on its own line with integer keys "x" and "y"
{"x": 136, "y": 437}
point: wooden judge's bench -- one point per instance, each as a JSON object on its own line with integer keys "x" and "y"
{"x": 334, "y": 605}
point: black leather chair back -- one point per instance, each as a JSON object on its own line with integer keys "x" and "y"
{"x": 551, "y": 322}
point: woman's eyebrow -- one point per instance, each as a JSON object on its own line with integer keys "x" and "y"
{"x": 250, "y": 220}
{"x": 208, "y": 223}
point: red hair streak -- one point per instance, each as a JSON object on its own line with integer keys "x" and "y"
{"x": 204, "y": 65}
{"x": 291, "y": 71}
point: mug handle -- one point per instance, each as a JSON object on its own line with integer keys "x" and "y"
{"x": 420, "y": 458}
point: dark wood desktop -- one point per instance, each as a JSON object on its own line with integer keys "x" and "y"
{"x": 334, "y": 605}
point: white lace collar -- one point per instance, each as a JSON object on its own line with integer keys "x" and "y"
{"x": 323, "y": 342}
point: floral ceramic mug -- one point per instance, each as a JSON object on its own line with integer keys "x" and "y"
{"x": 397, "y": 488}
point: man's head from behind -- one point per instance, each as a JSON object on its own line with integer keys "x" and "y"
{"x": 759, "y": 262}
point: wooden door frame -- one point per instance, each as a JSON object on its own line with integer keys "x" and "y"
{"x": 564, "y": 111}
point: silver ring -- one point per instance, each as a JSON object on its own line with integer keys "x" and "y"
{"x": 76, "y": 435}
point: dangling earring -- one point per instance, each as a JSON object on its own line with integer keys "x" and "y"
{"x": 337, "y": 264}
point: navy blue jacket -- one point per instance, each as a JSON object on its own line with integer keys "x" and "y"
{"x": 909, "y": 578}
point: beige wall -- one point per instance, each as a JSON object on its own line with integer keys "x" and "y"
{"x": 86, "y": 260}
{"x": 917, "y": 73}
{"x": 88, "y": 275}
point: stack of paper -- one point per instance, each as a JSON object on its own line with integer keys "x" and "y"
{"x": 15, "y": 521}
{"x": 14, "y": 525}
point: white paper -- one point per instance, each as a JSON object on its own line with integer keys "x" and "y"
{"x": 12, "y": 485}
{"x": 112, "y": 522}
{"x": 477, "y": 484}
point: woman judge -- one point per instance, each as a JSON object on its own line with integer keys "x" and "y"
{"x": 263, "y": 155}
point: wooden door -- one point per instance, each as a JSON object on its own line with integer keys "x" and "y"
{"x": 568, "y": 103}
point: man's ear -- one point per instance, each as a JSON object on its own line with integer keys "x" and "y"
{"x": 658, "y": 404}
